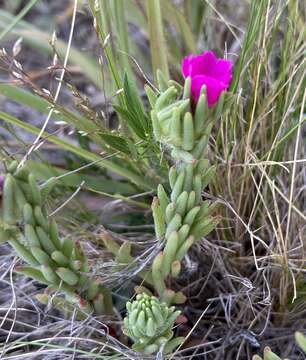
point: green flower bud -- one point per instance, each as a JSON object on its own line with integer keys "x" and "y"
{"x": 149, "y": 324}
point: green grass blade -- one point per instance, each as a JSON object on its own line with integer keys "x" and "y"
{"x": 17, "y": 18}
{"x": 73, "y": 179}
{"x": 122, "y": 35}
{"x": 39, "y": 104}
{"x": 40, "y": 41}
{"x": 100, "y": 9}
{"x": 256, "y": 20}
{"x": 87, "y": 155}
{"x": 172, "y": 14}
{"x": 124, "y": 198}
{"x": 157, "y": 39}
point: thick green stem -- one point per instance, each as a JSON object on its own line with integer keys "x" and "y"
{"x": 181, "y": 217}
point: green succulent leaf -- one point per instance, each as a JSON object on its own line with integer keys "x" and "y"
{"x": 60, "y": 264}
{"x": 301, "y": 340}
{"x": 149, "y": 324}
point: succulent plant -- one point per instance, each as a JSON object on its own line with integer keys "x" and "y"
{"x": 58, "y": 263}
{"x": 270, "y": 355}
{"x": 149, "y": 324}
{"x": 181, "y": 216}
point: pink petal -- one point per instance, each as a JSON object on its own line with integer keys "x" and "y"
{"x": 223, "y": 71}
{"x": 203, "y": 64}
{"x": 214, "y": 88}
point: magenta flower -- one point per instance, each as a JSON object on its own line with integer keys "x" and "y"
{"x": 206, "y": 69}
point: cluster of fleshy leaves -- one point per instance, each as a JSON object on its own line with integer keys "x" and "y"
{"x": 59, "y": 263}
{"x": 149, "y": 324}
